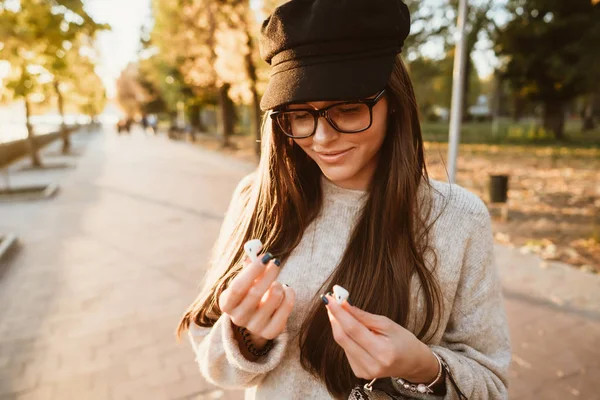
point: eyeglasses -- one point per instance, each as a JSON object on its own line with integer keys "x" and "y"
{"x": 346, "y": 117}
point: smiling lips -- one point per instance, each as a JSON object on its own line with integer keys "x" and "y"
{"x": 333, "y": 156}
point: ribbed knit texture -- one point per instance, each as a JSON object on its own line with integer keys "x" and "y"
{"x": 473, "y": 336}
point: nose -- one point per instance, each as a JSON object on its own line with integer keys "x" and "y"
{"x": 325, "y": 133}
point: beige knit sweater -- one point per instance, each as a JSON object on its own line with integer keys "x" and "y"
{"x": 473, "y": 338}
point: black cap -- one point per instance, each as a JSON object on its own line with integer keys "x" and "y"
{"x": 323, "y": 50}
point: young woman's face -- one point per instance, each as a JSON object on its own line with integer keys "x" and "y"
{"x": 348, "y": 160}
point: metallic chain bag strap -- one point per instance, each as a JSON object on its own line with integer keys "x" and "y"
{"x": 384, "y": 388}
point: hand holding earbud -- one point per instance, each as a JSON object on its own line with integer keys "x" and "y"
{"x": 254, "y": 299}
{"x": 375, "y": 345}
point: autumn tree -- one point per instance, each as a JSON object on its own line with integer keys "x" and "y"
{"x": 435, "y": 22}
{"x": 241, "y": 31}
{"x": 552, "y": 53}
{"x": 70, "y": 33}
{"x": 213, "y": 44}
{"x": 19, "y": 33}
{"x": 185, "y": 35}
{"x": 87, "y": 92}
{"x": 131, "y": 95}
{"x": 34, "y": 36}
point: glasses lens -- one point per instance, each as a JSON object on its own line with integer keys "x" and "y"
{"x": 297, "y": 123}
{"x": 350, "y": 117}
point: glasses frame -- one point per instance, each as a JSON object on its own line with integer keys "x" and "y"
{"x": 324, "y": 112}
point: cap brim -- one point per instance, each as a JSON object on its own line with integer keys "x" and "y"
{"x": 331, "y": 81}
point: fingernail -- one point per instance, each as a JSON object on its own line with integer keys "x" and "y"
{"x": 324, "y": 299}
{"x": 277, "y": 262}
{"x": 266, "y": 258}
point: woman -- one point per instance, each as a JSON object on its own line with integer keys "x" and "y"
{"x": 341, "y": 196}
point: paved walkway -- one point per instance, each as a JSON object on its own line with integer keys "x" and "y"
{"x": 91, "y": 299}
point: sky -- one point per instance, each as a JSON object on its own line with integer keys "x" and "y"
{"x": 119, "y": 46}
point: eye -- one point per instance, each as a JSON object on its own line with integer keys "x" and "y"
{"x": 351, "y": 108}
{"x": 299, "y": 115}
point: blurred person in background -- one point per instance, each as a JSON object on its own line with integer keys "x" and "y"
{"x": 342, "y": 197}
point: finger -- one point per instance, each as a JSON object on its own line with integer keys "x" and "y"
{"x": 353, "y": 328}
{"x": 244, "y": 311}
{"x": 239, "y": 286}
{"x": 358, "y": 357}
{"x": 279, "y": 318}
{"x": 267, "y": 306}
{"x": 378, "y": 323}
{"x": 356, "y": 364}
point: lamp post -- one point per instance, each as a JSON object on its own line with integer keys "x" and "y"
{"x": 458, "y": 79}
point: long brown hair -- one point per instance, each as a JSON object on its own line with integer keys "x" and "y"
{"x": 387, "y": 247}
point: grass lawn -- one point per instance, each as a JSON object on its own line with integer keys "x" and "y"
{"x": 506, "y": 131}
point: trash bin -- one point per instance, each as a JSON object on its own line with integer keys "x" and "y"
{"x": 498, "y": 188}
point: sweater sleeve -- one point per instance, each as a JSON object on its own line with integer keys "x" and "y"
{"x": 221, "y": 361}
{"x": 476, "y": 344}
{"x": 217, "y": 351}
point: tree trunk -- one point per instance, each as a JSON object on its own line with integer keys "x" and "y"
{"x": 588, "y": 117}
{"x": 196, "y": 119}
{"x": 554, "y": 118}
{"x": 33, "y": 150}
{"x": 589, "y": 112}
{"x": 518, "y": 106}
{"x": 227, "y": 117}
{"x": 64, "y": 133}
{"x": 596, "y": 103}
{"x": 194, "y": 116}
{"x": 225, "y": 103}
{"x": 251, "y": 70}
{"x": 497, "y": 96}
{"x": 496, "y": 103}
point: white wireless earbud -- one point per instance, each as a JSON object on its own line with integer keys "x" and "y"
{"x": 340, "y": 294}
{"x": 252, "y": 248}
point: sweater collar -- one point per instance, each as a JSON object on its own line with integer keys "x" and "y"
{"x": 335, "y": 193}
